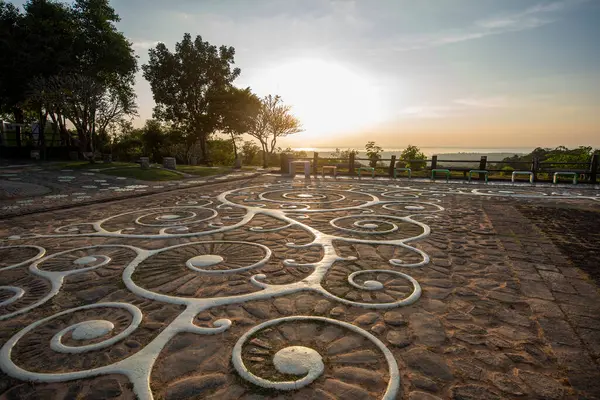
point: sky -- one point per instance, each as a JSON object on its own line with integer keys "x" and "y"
{"x": 456, "y": 73}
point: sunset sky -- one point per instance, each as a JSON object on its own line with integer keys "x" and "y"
{"x": 476, "y": 73}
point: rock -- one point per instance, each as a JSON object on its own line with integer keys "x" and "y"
{"x": 182, "y": 363}
{"x": 394, "y": 318}
{"x": 93, "y": 294}
{"x": 366, "y": 319}
{"x": 195, "y": 386}
{"x": 507, "y": 383}
{"x": 357, "y": 357}
{"x": 305, "y": 304}
{"x": 358, "y": 375}
{"x": 378, "y": 328}
{"x": 258, "y": 309}
{"x": 284, "y": 306}
{"x": 322, "y": 307}
{"x": 473, "y": 392}
{"x": 417, "y": 395}
{"x": 104, "y": 389}
{"x": 337, "y": 312}
{"x": 498, "y": 360}
{"x": 467, "y": 368}
{"x": 542, "y": 385}
{"x": 349, "y": 391}
{"x": 344, "y": 344}
{"x": 428, "y": 363}
{"x": 398, "y": 338}
{"x": 421, "y": 382}
{"x": 427, "y": 329}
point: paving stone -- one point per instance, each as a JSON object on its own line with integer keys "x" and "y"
{"x": 427, "y": 329}
{"x": 107, "y": 388}
{"x": 473, "y": 392}
{"x": 542, "y": 385}
{"x": 536, "y": 289}
{"x": 349, "y": 391}
{"x": 194, "y": 386}
{"x": 417, "y": 395}
{"x": 394, "y": 318}
{"x": 421, "y": 382}
{"x": 399, "y": 338}
{"x": 367, "y": 319}
{"x": 558, "y": 331}
{"x": 428, "y": 363}
{"x": 508, "y": 383}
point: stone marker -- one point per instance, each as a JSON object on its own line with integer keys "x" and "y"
{"x": 169, "y": 163}
{"x": 144, "y": 162}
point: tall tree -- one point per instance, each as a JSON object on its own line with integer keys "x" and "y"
{"x": 273, "y": 122}
{"x": 188, "y": 85}
{"x": 240, "y": 107}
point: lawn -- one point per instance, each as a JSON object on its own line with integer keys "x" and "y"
{"x": 152, "y": 174}
{"x": 88, "y": 165}
{"x": 204, "y": 171}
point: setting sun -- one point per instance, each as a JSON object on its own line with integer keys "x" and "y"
{"x": 327, "y": 97}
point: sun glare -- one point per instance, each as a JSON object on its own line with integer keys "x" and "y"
{"x": 327, "y": 97}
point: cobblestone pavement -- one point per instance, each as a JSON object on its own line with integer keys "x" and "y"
{"x": 26, "y": 189}
{"x": 274, "y": 288}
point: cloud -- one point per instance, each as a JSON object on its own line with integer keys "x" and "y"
{"x": 143, "y": 44}
{"x": 530, "y": 18}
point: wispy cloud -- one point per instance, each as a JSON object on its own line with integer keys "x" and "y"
{"x": 143, "y": 44}
{"x": 530, "y": 18}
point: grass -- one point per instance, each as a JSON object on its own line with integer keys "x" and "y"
{"x": 88, "y": 165}
{"x": 152, "y": 174}
{"x": 203, "y": 171}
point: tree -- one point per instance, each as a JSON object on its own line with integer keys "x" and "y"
{"x": 250, "y": 151}
{"x": 188, "y": 86}
{"x": 373, "y": 153}
{"x": 240, "y": 107}
{"x": 410, "y": 158}
{"x": 273, "y": 121}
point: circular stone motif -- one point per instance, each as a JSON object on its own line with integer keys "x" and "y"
{"x": 298, "y": 360}
{"x": 92, "y": 329}
{"x": 85, "y": 260}
{"x": 168, "y": 217}
{"x": 205, "y": 260}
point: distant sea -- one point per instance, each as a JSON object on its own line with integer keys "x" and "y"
{"x": 494, "y": 154}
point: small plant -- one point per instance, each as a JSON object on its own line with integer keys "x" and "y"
{"x": 373, "y": 153}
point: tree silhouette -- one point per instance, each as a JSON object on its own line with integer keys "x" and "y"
{"x": 188, "y": 86}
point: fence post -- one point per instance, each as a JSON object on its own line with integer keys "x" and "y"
{"x": 482, "y": 167}
{"x": 535, "y": 164}
{"x": 594, "y": 168}
{"x": 433, "y": 162}
{"x": 315, "y": 162}
{"x": 351, "y": 164}
{"x": 285, "y": 165}
{"x": 392, "y": 166}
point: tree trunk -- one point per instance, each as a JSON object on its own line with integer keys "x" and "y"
{"x": 19, "y": 119}
{"x": 204, "y": 149}
{"x": 264, "y": 147}
{"x": 235, "y": 154}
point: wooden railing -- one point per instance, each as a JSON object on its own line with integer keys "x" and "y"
{"x": 589, "y": 170}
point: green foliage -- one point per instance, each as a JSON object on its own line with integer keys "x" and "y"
{"x": 221, "y": 151}
{"x": 560, "y": 154}
{"x": 373, "y": 153}
{"x": 507, "y": 171}
{"x": 409, "y": 158}
{"x": 189, "y": 84}
{"x": 154, "y": 140}
{"x": 250, "y": 153}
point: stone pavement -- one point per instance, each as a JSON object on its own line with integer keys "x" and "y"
{"x": 31, "y": 188}
{"x": 274, "y": 288}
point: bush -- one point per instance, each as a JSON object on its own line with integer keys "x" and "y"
{"x": 507, "y": 171}
{"x": 409, "y": 158}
